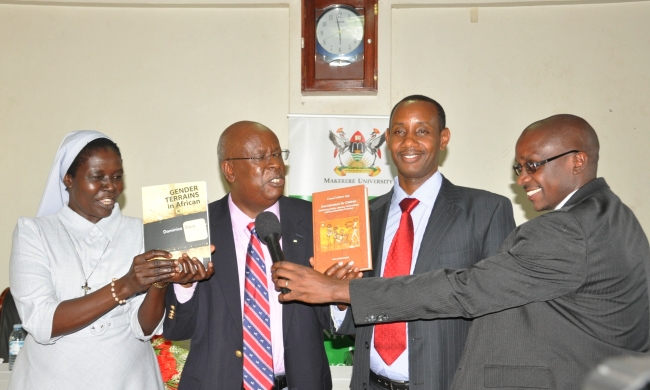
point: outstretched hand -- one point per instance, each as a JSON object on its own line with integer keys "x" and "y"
{"x": 340, "y": 271}
{"x": 308, "y": 285}
{"x": 190, "y": 270}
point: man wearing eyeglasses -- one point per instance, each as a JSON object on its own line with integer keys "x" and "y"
{"x": 567, "y": 289}
{"x": 242, "y": 337}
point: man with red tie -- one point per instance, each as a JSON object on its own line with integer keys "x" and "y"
{"x": 565, "y": 291}
{"x": 424, "y": 223}
{"x": 242, "y": 337}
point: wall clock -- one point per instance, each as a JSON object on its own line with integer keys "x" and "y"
{"x": 339, "y": 52}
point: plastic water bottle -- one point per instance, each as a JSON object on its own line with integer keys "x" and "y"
{"x": 16, "y": 340}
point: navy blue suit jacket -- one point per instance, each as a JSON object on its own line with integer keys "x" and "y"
{"x": 213, "y": 317}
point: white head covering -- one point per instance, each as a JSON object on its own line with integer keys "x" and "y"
{"x": 55, "y": 195}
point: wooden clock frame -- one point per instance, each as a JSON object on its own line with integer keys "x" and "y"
{"x": 366, "y": 83}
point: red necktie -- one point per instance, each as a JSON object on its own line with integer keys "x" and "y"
{"x": 390, "y": 339}
{"x": 258, "y": 358}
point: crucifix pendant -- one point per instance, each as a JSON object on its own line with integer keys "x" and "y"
{"x": 86, "y": 288}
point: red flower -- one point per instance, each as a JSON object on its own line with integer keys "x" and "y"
{"x": 167, "y": 364}
{"x": 170, "y": 358}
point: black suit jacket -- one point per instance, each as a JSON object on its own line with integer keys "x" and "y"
{"x": 567, "y": 290}
{"x": 8, "y": 317}
{"x": 213, "y": 317}
{"x": 465, "y": 226}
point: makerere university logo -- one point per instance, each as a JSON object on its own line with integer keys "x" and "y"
{"x": 360, "y": 155}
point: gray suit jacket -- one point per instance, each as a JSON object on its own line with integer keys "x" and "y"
{"x": 567, "y": 290}
{"x": 465, "y": 226}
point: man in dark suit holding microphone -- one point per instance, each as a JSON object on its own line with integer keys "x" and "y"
{"x": 242, "y": 337}
{"x": 567, "y": 289}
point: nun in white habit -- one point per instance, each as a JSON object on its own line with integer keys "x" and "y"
{"x": 88, "y": 299}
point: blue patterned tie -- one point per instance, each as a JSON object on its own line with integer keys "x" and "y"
{"x": 258, "y": 356}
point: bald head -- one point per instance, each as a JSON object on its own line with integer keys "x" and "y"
{"x": 251, "y": 161}
{"x": 236, "y": 132}
{"x": 559, "y": 155}
{"x": 569, "y": 132}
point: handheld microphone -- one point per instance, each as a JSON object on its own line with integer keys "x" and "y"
{"x": 269, "y": 229}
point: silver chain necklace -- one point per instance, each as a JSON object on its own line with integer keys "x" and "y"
{"x": 85, "y": 287}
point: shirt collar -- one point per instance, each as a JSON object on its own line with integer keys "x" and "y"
{"x": 80, "y": 227}
{"x": 562, "y": 203}
{"x": 240, "y": 220}
{"x": 426, "y": 193}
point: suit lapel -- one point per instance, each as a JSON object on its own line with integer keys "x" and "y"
{"x": 444, "y": 213}
{"x": 586, "y": 191}
{"x": 378, "y": 217}
{"x": 224, "y": 259}
{"x": 293, "y": 246}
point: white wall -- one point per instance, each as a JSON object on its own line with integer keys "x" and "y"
{"x": 164, "y": 79}
{"x": 162, "y": 82}
{"x": 521, "y": 64}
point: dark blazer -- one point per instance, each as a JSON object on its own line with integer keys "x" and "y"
{"x": 213, "y": 317}
{"x": 8, "y": 318}
{"x": 465, "y": 226}
{"x": 567, "y": 290}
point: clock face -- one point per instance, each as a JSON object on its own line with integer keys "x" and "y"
{"x": 339, "y": 33}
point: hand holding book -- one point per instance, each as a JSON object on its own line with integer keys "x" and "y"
{"x": 340, "y": 271}
{"x": 308, "y": 285}
{"x": 189, "y": 270}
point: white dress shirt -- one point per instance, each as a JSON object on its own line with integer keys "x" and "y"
{"x": 563, "y": 202}
{"x": 427, "y": 194}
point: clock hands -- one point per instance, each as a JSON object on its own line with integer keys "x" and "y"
{"x": 325, "y": 39}
{"x": 339, "y": 27}
{"x": 349, "y": 28}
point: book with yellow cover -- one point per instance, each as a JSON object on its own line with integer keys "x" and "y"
{"x": 175, "y": 219}
{"x": 341, "y": 230}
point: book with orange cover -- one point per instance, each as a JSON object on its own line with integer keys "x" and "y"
{"x": 341, "y": 227}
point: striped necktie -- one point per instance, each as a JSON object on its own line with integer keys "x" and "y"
{"x": 390, "y": 339}
{"x": 258, "y": 356}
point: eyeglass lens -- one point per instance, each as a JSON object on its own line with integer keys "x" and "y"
{"x": 531, "y": 167}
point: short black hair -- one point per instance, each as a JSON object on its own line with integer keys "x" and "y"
{"x": 422, "y": 98}
{"x": 88, "y": 151}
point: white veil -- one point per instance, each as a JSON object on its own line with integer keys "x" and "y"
{"x": 55, "y": 195}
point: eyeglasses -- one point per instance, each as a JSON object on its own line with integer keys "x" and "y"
{"x": 531, "y": 167}
{"x": 283, "y": 154}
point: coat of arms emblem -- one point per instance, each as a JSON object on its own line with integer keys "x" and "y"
{"x": 360, "y": 155}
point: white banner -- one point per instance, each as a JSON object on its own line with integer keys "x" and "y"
{"x": 330, "y": 151}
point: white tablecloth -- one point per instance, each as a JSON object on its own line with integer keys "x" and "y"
{"x": 4, "y": 376}
{"x": 340, "y": 377}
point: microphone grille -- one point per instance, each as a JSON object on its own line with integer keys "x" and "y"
{"x": 266, "y": 224}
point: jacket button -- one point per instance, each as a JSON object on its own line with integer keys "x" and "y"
{"x": 367, "y": 345}
{"x": 238, "y": 353}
